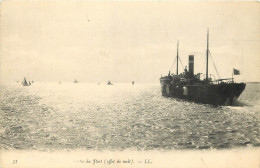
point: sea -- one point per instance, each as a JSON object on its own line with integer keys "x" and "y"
{"x": 88, "y": 116}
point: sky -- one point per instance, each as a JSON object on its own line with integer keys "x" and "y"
{"x": 51, "y": 41}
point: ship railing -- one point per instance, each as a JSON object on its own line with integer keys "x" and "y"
{"x": 227, "y": 80}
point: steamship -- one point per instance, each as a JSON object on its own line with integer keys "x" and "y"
{"x": 189, "y": 86}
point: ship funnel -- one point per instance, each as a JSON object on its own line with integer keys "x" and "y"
{"x": 191, "y": 65}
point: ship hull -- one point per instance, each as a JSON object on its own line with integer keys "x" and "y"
{"x": 215, "y": 94}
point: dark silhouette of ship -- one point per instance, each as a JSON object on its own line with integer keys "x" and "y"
{"x": 189, "y": 86}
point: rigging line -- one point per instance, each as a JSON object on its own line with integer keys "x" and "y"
{"x": 181, "y": 63}
{"x": 204, "y": 63}
{"x": 198, "y": 67}
{"x": 171, "y": 67}
{"x": 214, "y": 65}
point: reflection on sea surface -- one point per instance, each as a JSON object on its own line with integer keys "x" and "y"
{"x": 49, "y": 116}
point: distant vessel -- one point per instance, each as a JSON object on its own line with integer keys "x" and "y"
{"x": 109, "y": 83}
{"x": 25, "y": 83}
{"x": 59, "y": 82}
{"x": 188, "y": 86}
{"x": 75, "y": 81}
{"x": 133, "y": 82}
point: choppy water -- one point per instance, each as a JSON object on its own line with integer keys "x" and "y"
{"x": 49, "y": 116}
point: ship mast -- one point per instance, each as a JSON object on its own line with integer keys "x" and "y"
{"x": 177, "y": 57}
{"x": 207, "y": 56}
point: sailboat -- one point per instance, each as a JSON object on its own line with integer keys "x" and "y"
{"x": 109, "y": 83}
{"x": 189, "y": 86}
{"x": 75, "y": 81}
{"x": 25, "y": 83}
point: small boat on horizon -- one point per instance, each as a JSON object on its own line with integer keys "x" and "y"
{"x": 25, "y": 83}
{"x": 76, "y": 81}
{"x": 109, "y": 83}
